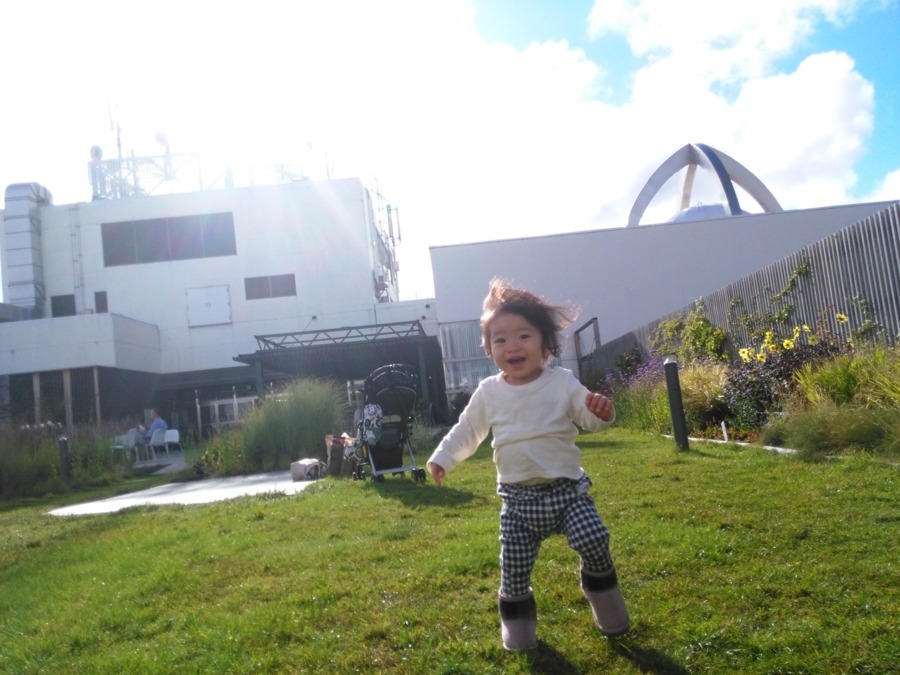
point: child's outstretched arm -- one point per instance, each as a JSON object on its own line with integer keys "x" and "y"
{"x": 600, "y": 406}
{"x": 437, "y": 472}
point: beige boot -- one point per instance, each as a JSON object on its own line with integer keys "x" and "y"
{"x": 607, "y": 603}
{"x": 518, "y": 622}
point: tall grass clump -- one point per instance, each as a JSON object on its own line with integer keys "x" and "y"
{"x": 224, "y": 455}
{"x": 31, "y": 462}
{"x": 293, "y": 424}
{"x": 29, "y": 465}
{"x": 640, "y": 398}
{"x": 703, "y": 393}
{"x": 881, "y": 379}
{"x": 836, "y": 381}
{"x": 848, "y": 403}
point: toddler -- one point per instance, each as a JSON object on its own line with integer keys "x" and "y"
{"x": 532, "y": 410}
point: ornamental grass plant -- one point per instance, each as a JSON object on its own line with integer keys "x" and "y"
{"x": 290, "y": 424}
{"x": 640, "y": 398}
{"x": 846, "y": 404}
{"x": 731, "y": 559}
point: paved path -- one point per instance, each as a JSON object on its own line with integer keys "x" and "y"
{"x": 191, "y": 492}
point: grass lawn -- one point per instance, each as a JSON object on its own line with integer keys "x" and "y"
{"x": 731, "y": 559}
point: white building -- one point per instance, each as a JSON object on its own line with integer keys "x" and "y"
{"x": 149, "y": 300}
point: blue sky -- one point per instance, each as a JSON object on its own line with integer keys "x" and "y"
{"x": 479, "y": 119}
{"x": 871, "y": 36}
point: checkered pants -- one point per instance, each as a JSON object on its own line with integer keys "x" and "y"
{"x": 531, "y": 514}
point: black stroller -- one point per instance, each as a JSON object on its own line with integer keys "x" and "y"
{"x": 385, "y": 422}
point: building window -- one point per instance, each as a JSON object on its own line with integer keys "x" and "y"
{"x": 161, "y": 239}
{"x": 62, "y": 305}
{"x": 100, "y": 303}
{"x": 275, "y": 286}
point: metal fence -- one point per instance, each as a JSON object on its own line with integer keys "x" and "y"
{"x": 854, "y": 272}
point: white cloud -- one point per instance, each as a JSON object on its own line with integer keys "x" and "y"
{"x": 747, "y": 35}
{"x": 471, "y": 140}
{"x": 805, "y": 130}
{"x": 887, "y": 190}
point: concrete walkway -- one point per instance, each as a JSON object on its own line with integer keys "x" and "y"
{"x": 190, "y": 492}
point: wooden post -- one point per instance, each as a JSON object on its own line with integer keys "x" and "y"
{"x": 36, "y": 391}
{"x": 67, "y": 397}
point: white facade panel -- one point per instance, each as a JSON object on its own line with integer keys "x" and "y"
{"x": 77, "y": 342}
{"x": 320, "y": 233}
{"x": 208, "y": 306}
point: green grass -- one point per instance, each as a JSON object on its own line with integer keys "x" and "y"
{"x": 731, "y": 559}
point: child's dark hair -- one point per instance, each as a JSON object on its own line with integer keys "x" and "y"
{"x": 502, "y": 298}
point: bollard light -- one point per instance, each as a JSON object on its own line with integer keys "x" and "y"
{"x": 676, "y": 405}
{"x": 64, "y": 457}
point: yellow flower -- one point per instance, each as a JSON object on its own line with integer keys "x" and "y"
{"x": 761, "y": 356}
{"x": 813, "y": 339}
{"x": 841, "y": 317}
{"x": 745, "y": 354}
{"x": 788, "y": 344}
{"x": 796, "y": 332}
{"x": 807, "y": 329}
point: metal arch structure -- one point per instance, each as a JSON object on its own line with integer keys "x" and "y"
{"x": 729, "y": 172}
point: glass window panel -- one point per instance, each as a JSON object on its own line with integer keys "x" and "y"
{"x": 151, "y": 240}
{"x": 118, "y": 244}
{"x": 62, "y": 305}
{"x": 283, "y": 285}
{"x": 186, "y": 237}
{"x": 218, "y": 235}
{"x": 256, "y": 288}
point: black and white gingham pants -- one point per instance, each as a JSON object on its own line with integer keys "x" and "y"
{"x": 530, "y": 514}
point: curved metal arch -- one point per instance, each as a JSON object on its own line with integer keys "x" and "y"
{"x": 728, "y": 171}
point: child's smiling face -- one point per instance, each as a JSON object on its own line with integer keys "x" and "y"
{"x": 517, "y": 348}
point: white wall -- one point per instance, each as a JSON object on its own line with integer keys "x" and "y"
{"x": 322, "y": 232}
{"x": 627, "y": 277}
{"x": 77, "y": 342}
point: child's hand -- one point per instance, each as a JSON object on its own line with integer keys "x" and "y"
{"x": 601, "y": 406}
{"x": 437, "y": 472}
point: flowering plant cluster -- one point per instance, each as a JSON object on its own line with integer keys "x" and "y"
{"x": 763, "y": 377}
{"x": 801, "y": 336}
{"x": 757, "y": 386}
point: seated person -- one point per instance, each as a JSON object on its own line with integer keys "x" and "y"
{"x": 156, "y": 422}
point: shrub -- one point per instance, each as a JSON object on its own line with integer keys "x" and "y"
{"x": 759, "y": 386}
{"x": 224, "y": 455}
{"x": 690, "y": 338}
{"x": 293, "y": 424}
{"x": 29, "y": 466}
{"x": 30, "y": 460}
{"x": 703, "y": 393}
